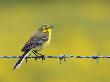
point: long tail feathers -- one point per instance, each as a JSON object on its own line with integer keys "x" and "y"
{"x": 17, "y": 65}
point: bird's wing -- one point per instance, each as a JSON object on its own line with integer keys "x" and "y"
{"x": 33, "y": 42}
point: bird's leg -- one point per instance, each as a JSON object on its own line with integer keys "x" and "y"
{"x": 35, "y": 55}
{"x": 42, "y": 56}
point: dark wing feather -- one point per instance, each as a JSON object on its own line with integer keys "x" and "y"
{"x": 33, "y": 42}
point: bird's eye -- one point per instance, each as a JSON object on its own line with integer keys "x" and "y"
{"x": 46, "y": 28}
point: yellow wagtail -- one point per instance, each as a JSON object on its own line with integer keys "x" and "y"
{"x": 37, "y": 42}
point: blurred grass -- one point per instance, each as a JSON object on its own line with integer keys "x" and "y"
{"x": 82, "y": 28}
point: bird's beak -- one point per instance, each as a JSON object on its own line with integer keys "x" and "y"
{"x": 52, "y": 26}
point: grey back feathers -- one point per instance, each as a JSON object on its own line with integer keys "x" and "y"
{"x": 34, "y": 42}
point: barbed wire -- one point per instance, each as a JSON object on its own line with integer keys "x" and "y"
{"x": 61, "y": 57}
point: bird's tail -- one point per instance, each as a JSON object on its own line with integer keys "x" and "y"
{"x": 17, "y": 65}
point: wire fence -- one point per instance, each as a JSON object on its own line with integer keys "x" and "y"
{"x": 61, "y": 57}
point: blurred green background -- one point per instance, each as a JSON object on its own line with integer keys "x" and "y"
{"x": 82, "y": 28}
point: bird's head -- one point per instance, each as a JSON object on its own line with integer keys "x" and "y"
{"x": 46, "y": 28}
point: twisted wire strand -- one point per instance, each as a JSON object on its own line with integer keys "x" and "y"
{"x": 59, "y": 56}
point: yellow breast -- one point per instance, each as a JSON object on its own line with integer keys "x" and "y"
{"x": 45, "y": 44}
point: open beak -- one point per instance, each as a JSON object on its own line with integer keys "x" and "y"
{"x": 52, "y": 26}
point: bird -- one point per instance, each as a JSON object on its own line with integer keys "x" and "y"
{"x": 38, "y": 41}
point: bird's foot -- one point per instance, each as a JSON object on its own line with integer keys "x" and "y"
{"x": 41, "y": 56}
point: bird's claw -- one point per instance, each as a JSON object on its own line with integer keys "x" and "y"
{"x": 41, "y": 56}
